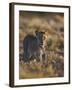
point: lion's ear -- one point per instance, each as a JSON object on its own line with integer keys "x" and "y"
{"x": 43, "y": 32}
{"x": 36, "y": 32}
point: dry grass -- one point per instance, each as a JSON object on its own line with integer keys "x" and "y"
{"x": 53, "y": 68}
{"x": 53, "y": 24}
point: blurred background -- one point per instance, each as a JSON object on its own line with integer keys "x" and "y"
{"x": 53, "y": 24}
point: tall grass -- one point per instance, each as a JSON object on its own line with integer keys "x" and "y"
{"x": 53, "y": 25}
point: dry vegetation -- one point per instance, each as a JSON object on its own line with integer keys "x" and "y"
{"x": 53, "y": 24}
